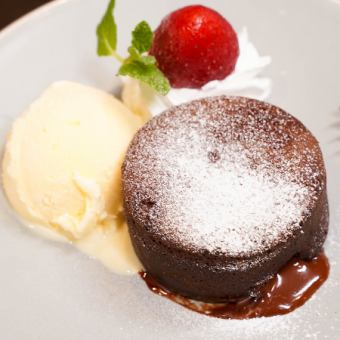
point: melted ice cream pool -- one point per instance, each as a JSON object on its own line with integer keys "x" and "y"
{"x": 244, "y": 81}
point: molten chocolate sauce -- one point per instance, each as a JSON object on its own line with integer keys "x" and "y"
{"x": 286, "y": 291}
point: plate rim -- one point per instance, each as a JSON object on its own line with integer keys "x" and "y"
{"x": 30, "y": 16}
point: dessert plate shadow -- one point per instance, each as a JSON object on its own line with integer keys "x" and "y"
{"x": 49, "y": 290}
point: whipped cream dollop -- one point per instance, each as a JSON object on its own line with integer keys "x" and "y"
{"x": 244, "y": 81}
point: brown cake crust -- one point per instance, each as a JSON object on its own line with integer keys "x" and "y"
{"x": 220, "y": 193}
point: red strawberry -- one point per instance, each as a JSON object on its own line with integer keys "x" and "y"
{"x": 195, "y": 45}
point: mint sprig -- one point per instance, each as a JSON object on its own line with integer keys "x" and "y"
{"x": 138, "y": 64}
{"x": 107, "y": 32}
{"x": 142, "y": 37}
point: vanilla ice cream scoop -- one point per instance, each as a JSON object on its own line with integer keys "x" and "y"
{"x": 61, "y": 167}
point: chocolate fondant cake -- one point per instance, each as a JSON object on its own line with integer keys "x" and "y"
{"x": 220, "y": 193}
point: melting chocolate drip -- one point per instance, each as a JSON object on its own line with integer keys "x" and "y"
{"x": 286, "y": 291}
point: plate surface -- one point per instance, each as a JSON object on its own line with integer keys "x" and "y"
{"x": 49, "y": 290}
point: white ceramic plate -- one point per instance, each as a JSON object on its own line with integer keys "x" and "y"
{"x": 50, "y": 291}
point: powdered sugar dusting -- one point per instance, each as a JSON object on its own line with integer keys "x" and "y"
{"x": 223, "y": 175}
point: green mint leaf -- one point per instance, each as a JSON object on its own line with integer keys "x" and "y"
{"x": 107, "y": 32}
{"x": 148, "y": 60}
{"x": 147, "y": 73}
{"x": 142, "y": 37}
{"x": 136, "y": 56}
{"x": 138, "y": 64}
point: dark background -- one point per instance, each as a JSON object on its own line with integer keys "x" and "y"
{"x": 13, "y": 9}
